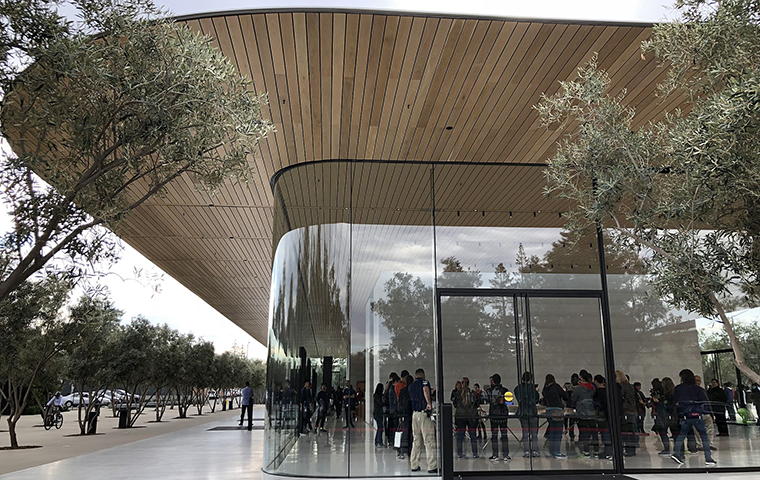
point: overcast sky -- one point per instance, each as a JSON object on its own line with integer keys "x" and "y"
{"x": 610, "y": 10}
{"x": 180, "y": 308}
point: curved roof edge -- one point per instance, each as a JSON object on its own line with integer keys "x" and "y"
{"x": 372, "y": 11}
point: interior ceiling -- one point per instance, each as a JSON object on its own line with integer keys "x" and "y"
{"x": 375, "y": 87}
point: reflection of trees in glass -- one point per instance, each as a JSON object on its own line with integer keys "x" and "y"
{"x": 646, "y": 332}
{"x": 309, "y": 296}
{"x": 748, "y": 335}
{"x": 500, "y": 337}
{"x": 407, "y": 312}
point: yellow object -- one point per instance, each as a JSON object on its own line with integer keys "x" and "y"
{"x": 508, "y": 397}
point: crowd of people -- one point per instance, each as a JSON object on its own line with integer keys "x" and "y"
{"x": 684, "y": 416}
{"x": 578, "y": 408}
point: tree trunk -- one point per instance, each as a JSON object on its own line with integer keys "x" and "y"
{"x": 735, "y": 346}
{"x": 717, "y": 304}
{"x": 39, "y": 405}
{"x": 12, "y": 431}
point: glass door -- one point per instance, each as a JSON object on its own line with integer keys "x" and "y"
{"x": 498, "y": 348}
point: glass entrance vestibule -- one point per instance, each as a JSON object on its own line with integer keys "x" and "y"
{"x": 522, "y": 341}
{"x": 465, "y": 271}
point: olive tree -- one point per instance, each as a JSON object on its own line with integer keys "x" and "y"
{"x": 110, "y": 111}
{"x": 90, "y": 360}
{"x": 683, "y": 192}
{"x": 134, "y": 355}
{"x": 31, "y": 334}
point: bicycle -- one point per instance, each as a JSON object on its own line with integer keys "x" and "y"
{"x": 54, "y": 418}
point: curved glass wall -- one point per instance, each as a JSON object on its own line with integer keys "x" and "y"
{"x": 465, "y": 271}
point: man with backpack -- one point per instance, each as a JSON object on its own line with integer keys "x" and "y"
{"x": 527, "y": 398}
{"x": 498, "y": 414}
{"x": 585, "y": 409}
{"x": 423, "y": 427}
{"x": 691, "y": 401}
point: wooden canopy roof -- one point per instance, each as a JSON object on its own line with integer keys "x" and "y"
{"x": 366, "y": 86}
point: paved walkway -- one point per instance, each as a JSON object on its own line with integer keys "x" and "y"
{"x": 66, "y": 442}
{"x": 209, "y": 452}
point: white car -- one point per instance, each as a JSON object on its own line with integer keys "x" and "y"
{"x": 119, "y": 396}
{"x": 73, "y": 400}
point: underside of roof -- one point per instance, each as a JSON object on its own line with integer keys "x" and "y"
{"x": 374, "y": 87}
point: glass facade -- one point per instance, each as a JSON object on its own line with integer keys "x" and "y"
{"x": 465, "y": 272}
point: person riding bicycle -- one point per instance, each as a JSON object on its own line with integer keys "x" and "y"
{"x": 54, "y": 404}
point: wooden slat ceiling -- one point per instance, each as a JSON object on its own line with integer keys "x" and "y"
{"x": 375, "y": 87}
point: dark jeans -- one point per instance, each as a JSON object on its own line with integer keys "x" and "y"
{"x": 247, "y": 408}
{"x": 630, "y": 433}
{"x": 405, "y": 425}
{"x": 390, "y": 432}
{"x": 661, "y": 427}
{"x": 587, "y": 435}
{"x": 499, "y": 425}
{"x": 379, "y": 433}
{"x": 306, "y": 419}
{"x": 349, "y": 417}
{"x": 720, "y": 422}
{"x": 601, "y": 426}
{"x": 468, "y": 425}
{"x": 554, "y": 432}
{"x": 322, "y": 416}
{"x": 686, "y": 426}
{"x": 731, "y": 411}
{"x": 529, "y": 433}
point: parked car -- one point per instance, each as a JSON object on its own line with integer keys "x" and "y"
{"x": 73, "y": 400}
{"x": 119, "y": 396}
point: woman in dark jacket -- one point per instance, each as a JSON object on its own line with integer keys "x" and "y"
{"x": 377, "y": 414}
{"x": 555, "y": 398}
{"x": 466, "y": 417}
{"x": 630, "y": 411}
{"x": 405, "y": 420}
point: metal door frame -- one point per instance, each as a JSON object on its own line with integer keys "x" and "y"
{"x": 446, "y": 410}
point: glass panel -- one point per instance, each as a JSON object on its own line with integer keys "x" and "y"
{"x": 654, "y": 341}
{"x": 309, "y": 336}
{"x": 481, "y": 344}
{"x": 496, "y": 229}
{"x": 392, "y": 322}
{"x": 566, "y": 339}
{"x": 525, "y": 416}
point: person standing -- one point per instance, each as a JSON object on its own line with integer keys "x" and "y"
{"x": 323, "y": 406}
{"x": 466, "y": 417}
{"x": 603, "y": 416}
{"x": 555, "y": 398}
{"x": 391, "y": 408}
{"x": 583, "y": 398}
{"x": 349, "y": 399}
{"x": 755, "y": 396}
{"x": 498, "y": 415}
{"x": 377, "y": 414}
{"x": 423, "y": 427}
{"x": 481, "y": 425}
{"x": 718, "y": 401}
{"x": 660, "y": 409}
{"x": 641, "y": 408}
{"x": 338, "y": 401}
{"x": 628, "y": 407}
{"x": 306, "y": 401}
{"x": 405, "y": 412}
{"x": 527, "y": 398}
{"x": 728, "y": 389}
{"x": 247, "y": 405}
{"x": 707, "y": 418}
{"x": 690, "y": 401}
